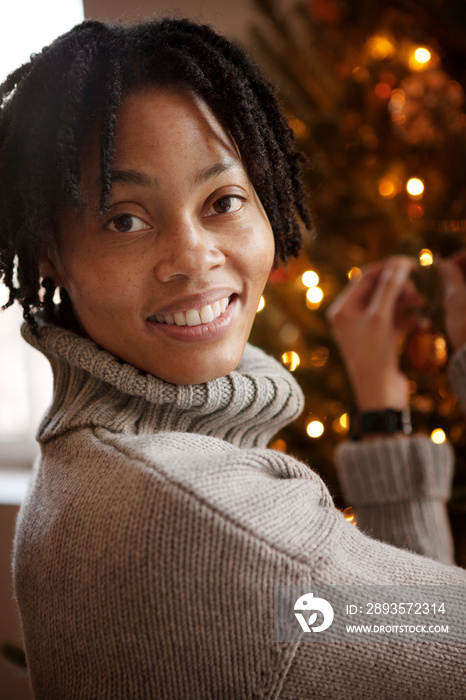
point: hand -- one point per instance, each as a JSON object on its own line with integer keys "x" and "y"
{"x": 367, "y": 321}
{"x": 453, "y": 273}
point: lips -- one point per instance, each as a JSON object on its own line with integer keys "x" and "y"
{"x": 193, "y": 317}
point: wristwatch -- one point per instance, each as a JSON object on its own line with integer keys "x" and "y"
{"x": 385, "y": 422}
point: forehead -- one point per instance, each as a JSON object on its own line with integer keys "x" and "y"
{"x": 163, "y": 130}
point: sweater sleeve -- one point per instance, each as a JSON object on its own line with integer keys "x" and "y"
{"x": 399, "y": 487}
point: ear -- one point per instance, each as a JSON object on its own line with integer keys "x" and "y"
{"x": 49, "y": 264}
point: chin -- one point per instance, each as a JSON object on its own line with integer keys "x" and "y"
{"x": 200, "y": 372}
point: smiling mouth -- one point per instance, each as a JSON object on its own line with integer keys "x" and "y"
{"x": 194, "y": 317}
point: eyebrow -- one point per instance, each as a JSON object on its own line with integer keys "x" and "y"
{"x": 136, "y": 178}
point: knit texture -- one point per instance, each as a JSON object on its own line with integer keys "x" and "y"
{"x": 157, "y": 526}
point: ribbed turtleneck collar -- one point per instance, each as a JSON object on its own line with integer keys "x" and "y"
{"x": 94, "y": 388}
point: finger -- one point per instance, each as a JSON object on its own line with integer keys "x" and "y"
{"x": 411, "y": 296}
{"x": 390, "y": 285}
{"x": 355, "y": 294}
{"x": 452, "y": 277}
{"x": 460, "y": 259}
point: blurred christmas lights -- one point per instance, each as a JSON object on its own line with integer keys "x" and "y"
{"x": 315, "y": 428}
{"x": 279, "y": 445}
{"x": 425, "y": 257}
{"x": 291, "y": 360}
{"x": 422, "y": 55}
{"x": 310, "y": 278}
{"x": 422, "y": 58}
{"x": 314, "y": 296}
{"x": 261, "y": 304}
{"x": 380, "y": 47}
{"x": 438, "y": 436}
{"x": 354, "y": 274}
{"x": 341, "y": 425}
{"x": 415, "y": 187}
{"x": 350, "y": 515}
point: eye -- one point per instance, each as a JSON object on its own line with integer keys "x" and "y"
{"x": 126, "y": 223}
{"x": 226, "y": 205}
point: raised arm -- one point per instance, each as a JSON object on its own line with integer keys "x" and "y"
{"x": 398, "y": 485}
{"x": 453, "y": 273}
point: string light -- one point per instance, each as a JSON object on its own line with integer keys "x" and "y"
{"x": 350, "y": 515}
{"x": 315, "y": 428}
{"x": 389, "y": 186}
{"x": 425, "y": 257}
{"x": 261, "y": 304}
{"x": 440, "y": 348}
{"x": 341, "y": 425}
{"x": 314, "y": 295}
{"x": 386, "y": 188}
{"x": 354, "y": 274}
{"x": 380, "y": 47}
{"x": 291, "y": 360}
{"x": 415, "y": 187}
{"x": 438, "y": 436}
{"x": 310, "y": 278}
{"x": 289, "y": 333}
{"x": 279, "y": 445}
{"x": 383, "y": 91}
{"x": 420, "y": 58}
{"x": 397, "y": 99}
{"x": 300, "y": 129}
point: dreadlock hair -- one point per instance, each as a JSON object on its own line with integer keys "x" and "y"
{"x": 77, "y": 83}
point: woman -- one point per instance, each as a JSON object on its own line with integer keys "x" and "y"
{"x": 148, "y": 174}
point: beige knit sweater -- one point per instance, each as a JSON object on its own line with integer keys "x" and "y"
{"x": 157, "y": 528}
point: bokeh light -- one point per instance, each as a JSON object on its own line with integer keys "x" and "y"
{"x": 415, "y": 187}
{"x": 261, "y": 304}
{"x": 314, "y": 295}
{"x": 354, "y": 274}
{"x": 291, "y": 360}
{"x": 425, "y": 257}
{"x": 380, "y": 47}
{"x": 310, "y": 278}
{"x": 315, "y": 428}
{"x": 438, "y": 436}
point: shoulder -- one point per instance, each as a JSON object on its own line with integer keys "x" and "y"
{"x": 264, "y": 493}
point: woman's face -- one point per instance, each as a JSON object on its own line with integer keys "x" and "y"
{"x": 170, "y": 279}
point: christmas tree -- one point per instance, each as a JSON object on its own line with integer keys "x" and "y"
{"x": 374, "y": 94}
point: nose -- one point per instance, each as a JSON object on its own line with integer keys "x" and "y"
{"x": 187, "y": 250}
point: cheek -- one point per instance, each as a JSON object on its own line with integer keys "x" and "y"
{"x": 262, "y": 252}
{"x": 97, "y": 288}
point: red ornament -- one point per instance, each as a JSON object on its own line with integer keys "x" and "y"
{"x": 427, "y": 351}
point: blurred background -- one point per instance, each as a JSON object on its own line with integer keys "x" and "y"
{"x": 375, "y": 95}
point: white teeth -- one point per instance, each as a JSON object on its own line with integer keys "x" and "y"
{"x": 192, "y": 317}
{"x": 207, "y": 315}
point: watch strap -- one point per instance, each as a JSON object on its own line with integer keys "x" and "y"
{"x": 384, "y": 422}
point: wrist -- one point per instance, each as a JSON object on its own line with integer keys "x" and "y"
{"x": 394, "y": 395}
